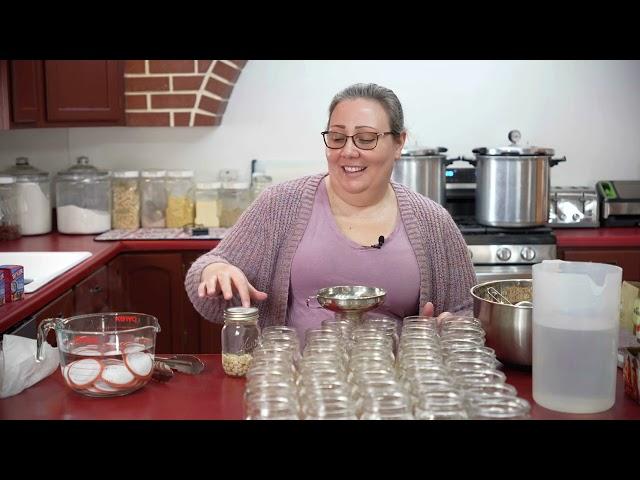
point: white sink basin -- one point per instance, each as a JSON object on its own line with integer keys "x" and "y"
{"x": 42, "y": 267}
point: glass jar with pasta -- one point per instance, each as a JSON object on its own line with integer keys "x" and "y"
{"x": 180, "y": 198}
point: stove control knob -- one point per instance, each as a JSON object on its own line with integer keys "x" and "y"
{"x": 503, "y": 254}
{"x": 528, "y": 254}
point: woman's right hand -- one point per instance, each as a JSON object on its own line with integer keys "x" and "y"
{"x": 223, "y": 279}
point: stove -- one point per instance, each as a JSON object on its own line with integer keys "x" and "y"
{"x": 506, "y": 246}
{"x": 497, "y": 253}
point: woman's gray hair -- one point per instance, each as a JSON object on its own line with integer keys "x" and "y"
{"x": 387, "y": 99}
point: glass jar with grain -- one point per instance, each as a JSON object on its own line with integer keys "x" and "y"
{"x": 240, "y": 337}
{"x": 180, "y": 198}
{"x": 153, "y": 198}
{"x": 125, "y": 191}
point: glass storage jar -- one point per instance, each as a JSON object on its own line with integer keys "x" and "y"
{"x": 33, "y": 190}
{"x": 208, "y": 204}
{"x": 259, "y": 181}
{"x": 180, "y": 198}
{"x": 125, "y": 199}
{"x": 235, "y": 197}
{"x": 240, "y": 337}
{"x": 9, "y": 223}
{"x": 153, "y": 198}
{"x": 83, "y": 199}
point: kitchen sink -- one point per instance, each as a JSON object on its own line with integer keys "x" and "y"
{"x": 42, "y": 267}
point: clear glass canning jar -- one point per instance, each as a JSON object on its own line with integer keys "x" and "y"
{"x": 125, "y": 201}
{"x": 234, "y": 199}
{"x": 9, "y": 222}
{"x": 208, "y": 204}
{"x": 83, "y": 199}
{"x": 499, "y": 408}
{"x": 153, "y": 198}
{"x": 33, "y": 188}
{"x": 240, "y": 337}
{"x": 180, "y": 198}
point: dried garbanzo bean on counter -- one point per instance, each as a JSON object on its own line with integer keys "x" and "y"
{"x": 236, "y": 365}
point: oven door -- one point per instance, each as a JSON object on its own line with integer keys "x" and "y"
{"x": 487, "y": 273}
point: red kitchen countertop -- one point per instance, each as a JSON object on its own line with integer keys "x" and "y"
{"x": 598, "y": 237}
{"x": 102, "y": 253}
{"x": 213, "y": 396}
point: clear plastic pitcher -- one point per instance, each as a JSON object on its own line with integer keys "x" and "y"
{"x": 576, "y": 309}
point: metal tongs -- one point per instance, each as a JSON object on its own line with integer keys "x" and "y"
{"x": 497, "y": 297}
{"x": 163, "y": 366}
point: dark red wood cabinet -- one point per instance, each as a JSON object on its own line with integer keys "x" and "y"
{"x": 153, "y": 283}
{"x": 66, "y": 93}
{"x": 4, "y": 95}
{"x": 626, "y": 258}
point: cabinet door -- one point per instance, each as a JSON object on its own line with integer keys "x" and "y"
{"x": 628, "y": 260}
{"x": 151, "y": 283}
{"x": 92, "y": 294}
{"x": 26, "y": 92}
{"x": 84, "y": 90}
{"x": 209, "y": 334}
{"x": 62, "y": 307}
{"x": 4, "y": 95}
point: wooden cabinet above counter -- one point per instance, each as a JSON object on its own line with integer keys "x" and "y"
{"x": 66, "y": 93}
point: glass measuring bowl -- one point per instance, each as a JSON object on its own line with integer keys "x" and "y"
{"x": 103, "y": 354}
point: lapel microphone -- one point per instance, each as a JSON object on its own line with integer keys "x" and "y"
{"x": 380, "y": 242}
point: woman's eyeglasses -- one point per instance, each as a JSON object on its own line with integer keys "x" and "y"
{"x": 362, "y": 140}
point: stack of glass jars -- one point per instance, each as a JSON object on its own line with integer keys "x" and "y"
{"x": 125, "y": 203}
{"x": 180, "y": 198}
{"x": 33, "y": 190}
{"x": 430, "y": 371}
{"x": 83, "y": 199}
{"x": 271, "y": 391}
{"x": 208, "y": 204}
{"x": 153, "y": 198}
{"x": 9, "y": 221}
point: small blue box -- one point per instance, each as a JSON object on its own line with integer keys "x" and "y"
{"x": 11, "y": 283}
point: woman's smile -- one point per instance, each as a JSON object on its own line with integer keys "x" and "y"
{"x": 353, "y": 170}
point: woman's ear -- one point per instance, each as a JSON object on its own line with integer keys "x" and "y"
{"x": 400, "y": 141}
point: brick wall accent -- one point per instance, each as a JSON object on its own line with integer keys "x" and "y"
{"x": 179, "y": 93}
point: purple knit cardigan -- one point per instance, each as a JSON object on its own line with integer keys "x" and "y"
{"x": 264, "y": 240}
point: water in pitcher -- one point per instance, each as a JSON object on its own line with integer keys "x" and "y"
{"x": 586, "y": 381}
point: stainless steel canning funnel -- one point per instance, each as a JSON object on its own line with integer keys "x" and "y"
{"x": 349, "y": 302}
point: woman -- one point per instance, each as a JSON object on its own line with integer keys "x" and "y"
{"x": 324, "y": 230}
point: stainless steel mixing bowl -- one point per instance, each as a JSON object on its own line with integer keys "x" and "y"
{"x": 508, "y": 327}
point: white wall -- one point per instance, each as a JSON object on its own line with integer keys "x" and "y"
{"x": 588, "y": 111}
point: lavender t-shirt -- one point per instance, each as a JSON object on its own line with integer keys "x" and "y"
{"x": 326, "y": 257}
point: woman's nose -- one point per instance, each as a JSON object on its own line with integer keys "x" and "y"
{"x": 349, "y": 148}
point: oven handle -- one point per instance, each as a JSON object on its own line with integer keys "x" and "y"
{"x": 487, "y": 273}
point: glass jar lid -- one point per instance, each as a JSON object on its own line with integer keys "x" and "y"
{"x": 126, "y": 173}
{"x": 241, "y": 314}
{"x": 83, "y": 170}
{"x": 153, "y": 173}
{"x": 180, "y": 173}
{"x": 25, "y": 172}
